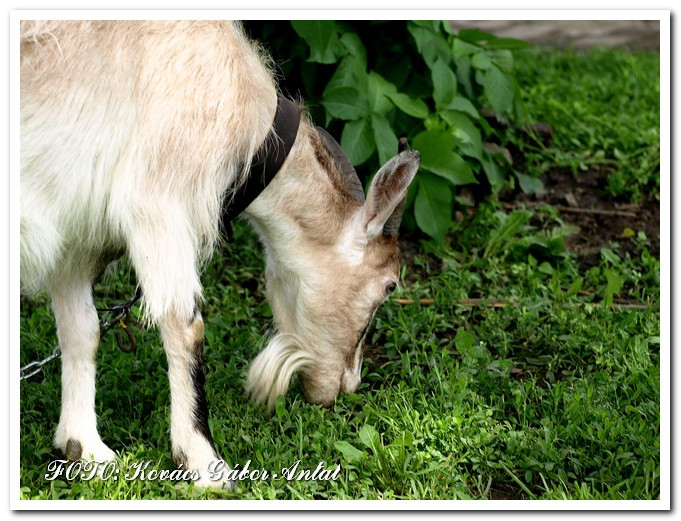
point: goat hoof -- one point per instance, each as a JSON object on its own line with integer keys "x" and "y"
{"x": 74, "y": 450}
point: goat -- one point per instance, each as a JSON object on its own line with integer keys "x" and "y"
{"x": 134, "y": 136}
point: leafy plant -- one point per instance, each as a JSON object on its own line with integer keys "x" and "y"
{"x": 372, "y": 82}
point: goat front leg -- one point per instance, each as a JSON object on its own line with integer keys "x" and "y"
{"x": 78, "y": 333}
{"x": 162, "y": 250}
{"x": 192, "y": 442}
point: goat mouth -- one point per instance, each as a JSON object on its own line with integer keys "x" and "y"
{"x": 324, "y": 401}
{"x": 356, "y": 356}
{"x": 319, "y": 386}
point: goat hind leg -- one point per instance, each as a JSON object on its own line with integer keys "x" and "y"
{"x": 78, "y": 333}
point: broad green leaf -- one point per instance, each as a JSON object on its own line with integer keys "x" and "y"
{"x": 447, "y": 26}
{"x": 346, "y": 103}
{"x": 498, "y": 90}
{"x": 463, "y": 105}
{"x": 433, "y": 206}
{"x": 377, "y": 90}
{"x": 358, "y": 140}
{"x": 349, "y": 452}
{"x": 463, "y": 341}
{"x": 355, "y": 47}
{"x": 431, "y": 143}
{"x": 542, "y": 245}
{"x": 463, "y": 74}
{"x": 476, "y": 36}
{"x": 615, "y": 282}
{"x": 386, "y": 87}
{"x": 507, "y": 43}
{"x": 479, "y": 77}
{"x": 349, "y": 73}
{"x": 437, "y": 155}
{"x": 610, "y": 256}
{"x": 493, "y": 171}
{"x": 462, "y": 48}
{"x": 575, "y": 287}
{"x": 433, "y": 25}
{"x": 504, "y": 59}
{"x": 386, "y": 140}
{"x": 430, "y": 45}
{"x": 444, "y": 83}
{"x": 370, "y": 437}
{"x": 322, "y": 39}
{"x": 529, "y": 184}
{"x": 481, "y": 60}
{"x": 466, "y": 132}
{"x": 405, "y": 440}
{"x": 414, "y": 107}
{"x": 411, "y": 194}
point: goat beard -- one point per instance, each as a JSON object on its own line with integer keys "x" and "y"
{"x": 271, "y": 371}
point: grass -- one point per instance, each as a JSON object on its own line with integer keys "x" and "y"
{"x": 553, "y": 394}
{"x": 604, "y": 109}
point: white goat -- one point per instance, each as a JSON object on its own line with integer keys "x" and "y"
{"x": 133, "y": 137}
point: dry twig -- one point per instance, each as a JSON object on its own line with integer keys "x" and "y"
{"x": 569, "y": 209}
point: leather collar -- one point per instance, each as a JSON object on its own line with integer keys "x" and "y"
{"x": 267, "y": 161}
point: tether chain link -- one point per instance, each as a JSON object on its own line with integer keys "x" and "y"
{"x": 120, "y": 315}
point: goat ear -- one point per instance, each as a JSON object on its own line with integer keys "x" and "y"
{"x": 343, "y": 165}
{"x": 387, "y": 194}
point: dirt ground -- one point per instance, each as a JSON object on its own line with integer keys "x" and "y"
{"x": 643, "y": 35}
{"x": 582, "y": 201}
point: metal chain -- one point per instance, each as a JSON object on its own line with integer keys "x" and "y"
{"x": 119, "y": 311}
{"x": 35, "y": 367}
{"x": 120, "y": 315}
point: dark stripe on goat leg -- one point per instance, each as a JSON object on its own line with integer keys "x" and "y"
{"x": 200, "y": 403}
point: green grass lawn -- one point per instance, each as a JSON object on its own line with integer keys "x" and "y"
{"x": 604, "y": 108}
{"x": 545, "y": 388}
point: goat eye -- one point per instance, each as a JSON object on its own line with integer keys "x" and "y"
{"x": 390, "y": 287}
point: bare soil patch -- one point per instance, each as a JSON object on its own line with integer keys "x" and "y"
{"x": 582, "y": 200}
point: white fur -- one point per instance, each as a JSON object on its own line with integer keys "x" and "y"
{"x": 130, "y": 142}
{"x": 353, "y": 240}
{"x": 271, "y": 371}
{"x": 78, "y": 331}
{"x": 100, "y": 178}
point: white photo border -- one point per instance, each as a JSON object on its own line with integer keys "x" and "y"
{"x": 664, "y": 503}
